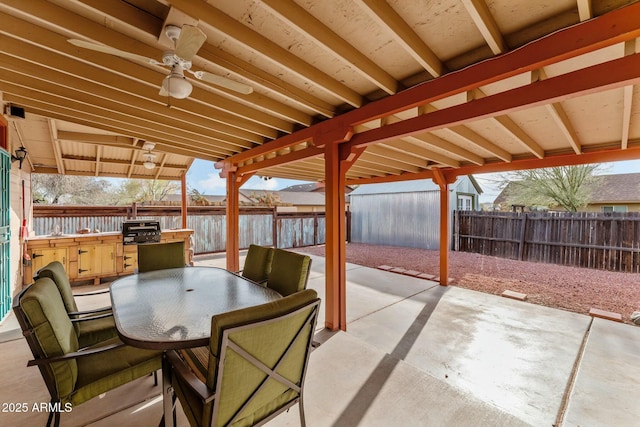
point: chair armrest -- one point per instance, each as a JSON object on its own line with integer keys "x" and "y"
{"x": 75, "y": 355}
{"x": 106, "y": 309}
{"x": 86, "y": 318}
{"x": 88, "y": 294}
{"x": 183, "y": 371}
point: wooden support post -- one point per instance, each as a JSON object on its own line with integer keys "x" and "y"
{"x": 183, "y": 181}
{"x": 233, "y": 221}
{"x": 335, "y": 307}
{"x": 234, "y": 182}
{"x": 440, "y": 179}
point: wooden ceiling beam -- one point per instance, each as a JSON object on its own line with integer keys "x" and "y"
{"x": 171, "y": 145}
{"x": 83, "y": 77}
{"x": 261, "y": 45}
{"x": 299, "y": 18}
{"x": 100, "y": 159}
{"x": 382, "y": 12}
{"x": 486, "y": 24}
{"x": 479, "y": 141}
{"x": 48, "y": 104}
{"x": 53, "y": 131}
{"x": 95, "y": 138}
{"x": 510, "y": 127}
{"x": 151, "y": 75}
{"x": 609, "y": 29}
{"x": 585, "y": 10}
{"x": 613, "y": 74}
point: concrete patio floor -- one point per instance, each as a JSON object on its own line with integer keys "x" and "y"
{"x": 414, "y": 354}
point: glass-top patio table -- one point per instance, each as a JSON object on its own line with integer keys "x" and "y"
{"x": 172, "y": 309}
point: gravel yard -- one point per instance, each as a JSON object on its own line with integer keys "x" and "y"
{"x": 567, "y": 288}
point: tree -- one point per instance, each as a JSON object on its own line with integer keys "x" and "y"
{"x": 145, "y": 190}
{"x": 58, "y": 189}
{"x": 566, "y": 186}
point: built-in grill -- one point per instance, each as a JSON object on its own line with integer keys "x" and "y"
{"x": 139, "y": 232}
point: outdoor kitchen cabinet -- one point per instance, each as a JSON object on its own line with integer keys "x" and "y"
{"x": 97, "y": 260}
{"x": 43, "y": 256}
{"x": 94, "y": 256}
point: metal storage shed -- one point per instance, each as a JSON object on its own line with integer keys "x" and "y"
{"x": 406, "y": 213}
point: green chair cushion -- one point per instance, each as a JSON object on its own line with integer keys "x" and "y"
{"x": 55, "y": 271}
{"x": 289, "y": 272}
{"x": 102, "y": 372}
{"x": 46, "y": 313}
{"x": 257, "y": 264}
{"x": 159, "y": 256}
{"x": 267, "y": 343}
{"x": 93, "y": 331}
{"x": 240, "y": 379}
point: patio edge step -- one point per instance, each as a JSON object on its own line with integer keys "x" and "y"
{"x": 514, "y": 295}
{"x": 603, "y": 314}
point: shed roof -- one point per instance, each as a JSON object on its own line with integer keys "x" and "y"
{"x": 409, "y": 186}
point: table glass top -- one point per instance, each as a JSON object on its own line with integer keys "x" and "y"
{"x": 172, "y": 308}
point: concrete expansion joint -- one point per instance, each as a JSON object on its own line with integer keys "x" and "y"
{"x": 564, "y": 404}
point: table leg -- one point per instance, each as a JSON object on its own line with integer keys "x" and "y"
{"x": 167, "y": 393}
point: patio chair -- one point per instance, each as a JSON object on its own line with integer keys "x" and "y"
{"x": 72, "y": 374}
{"x": 289, "y": 272}
{"x": 92, "y": 326}
{"x": 159, "y": 256}
{"x": 254, "y": 367}
{"x": 257, "y": 263}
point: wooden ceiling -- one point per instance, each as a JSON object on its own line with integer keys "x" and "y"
{"x": 470, "y": 85}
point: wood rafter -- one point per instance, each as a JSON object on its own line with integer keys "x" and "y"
{"x": 260, "y": 44}
{"x": 298, "y": 18}
{"x": 387, "y": 16}
{"x": 481, "y": 15}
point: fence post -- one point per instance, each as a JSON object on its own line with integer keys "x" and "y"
{"x": 456, "y": 230}
{"x": 523, "y": 230}
{"x": 275, "y": 227}
{"x": 315, "y": 228}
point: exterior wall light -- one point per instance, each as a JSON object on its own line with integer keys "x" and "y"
{"x": 21, "y": 154}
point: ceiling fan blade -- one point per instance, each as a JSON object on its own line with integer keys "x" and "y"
{"x": 112, "y": 51}
{"x": 190, "y": 41}
{"x": 223, "y": 82}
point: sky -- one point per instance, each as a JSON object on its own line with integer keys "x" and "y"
{"x": 206, "y": 179}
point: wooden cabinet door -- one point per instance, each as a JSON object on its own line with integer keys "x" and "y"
{"x": 96, "y": 260}
{"x": 86, "y": 261}
{"x": 42, "y": 257}
{"x": 106, "y": 259}
{"x": 130, "y": 260}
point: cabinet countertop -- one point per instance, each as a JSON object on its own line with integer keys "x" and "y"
{"x": 98, "y": 235}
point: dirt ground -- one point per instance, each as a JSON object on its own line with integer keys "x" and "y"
{"x": 567, "y": 288}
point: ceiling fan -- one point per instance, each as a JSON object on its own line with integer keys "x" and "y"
{"x": 187, "y": 41}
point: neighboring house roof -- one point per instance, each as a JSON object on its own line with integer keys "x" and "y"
{"x": 312, "y": 186}
{"x": 211, "y": 199}
{"x": 619, "y": 188}
{"x": 409, "y": 186}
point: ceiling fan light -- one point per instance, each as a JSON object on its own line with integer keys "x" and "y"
{"x": 177, "y": 86}
{"x": 149, "y": 165}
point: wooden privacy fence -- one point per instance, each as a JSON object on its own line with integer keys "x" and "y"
{"x": 263, "y": 226}
{"x": 609, "y": 241}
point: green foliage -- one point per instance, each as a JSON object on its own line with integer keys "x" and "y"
{"x": 145, "y": 191}
{"x": 568, "y": 187}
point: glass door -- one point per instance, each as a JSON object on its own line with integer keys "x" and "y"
{"x": 5, "y": 233}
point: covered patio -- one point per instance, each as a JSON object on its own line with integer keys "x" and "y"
{"x": 351, "y": 92}
{"x": 415, "y": 353}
